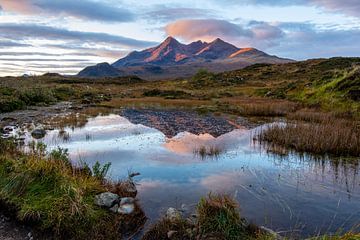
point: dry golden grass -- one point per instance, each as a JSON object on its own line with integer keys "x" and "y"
{"x": 322, "y": 136}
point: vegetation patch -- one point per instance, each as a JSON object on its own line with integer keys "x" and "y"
{"x": 46, "y": 190}
{"x": 322, "y": 135}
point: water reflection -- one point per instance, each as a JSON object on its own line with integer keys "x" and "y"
{"x": 283, "y": 193}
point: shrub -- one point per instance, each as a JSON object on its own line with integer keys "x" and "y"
{"x": 36, "y": 96}
{"x": 99, "y": 171}
{"x": 60, "y": 154}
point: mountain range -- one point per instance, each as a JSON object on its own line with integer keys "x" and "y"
{"x": 172, "y": 59}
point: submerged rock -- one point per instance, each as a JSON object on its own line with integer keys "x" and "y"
{"x": 271, "y": 232}
{"x": 38, "y": 133}
{"x": 173, "y": 214}
{"x": 106, "y": 199}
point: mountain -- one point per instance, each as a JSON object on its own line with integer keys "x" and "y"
{"x": 172, "y": 59}
{"x": 100, "y": 70}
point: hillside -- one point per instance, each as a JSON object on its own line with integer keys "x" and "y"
{"x": 330, "y": 83}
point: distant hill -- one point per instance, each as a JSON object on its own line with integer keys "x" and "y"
{"x": 100, "y": 70}
{"x": 172, "y": 59}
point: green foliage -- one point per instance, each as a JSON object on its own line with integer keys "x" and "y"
{"x": 36, "y": 96}
{"x": 9, "y": 105}
{"x": 60, "y": 154}
{"x": 99, "y": 171}
{"x": 64, "y": 93}
{"x": 219, "y": 214}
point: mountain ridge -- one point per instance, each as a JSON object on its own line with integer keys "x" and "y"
{"x": 174, "y": 59}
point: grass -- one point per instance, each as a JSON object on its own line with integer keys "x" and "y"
{"x": 211, "y": 151}
{"x": 218, "y": 217}
{"x": 321, "y": 133}
{"x": 47, "y": 191}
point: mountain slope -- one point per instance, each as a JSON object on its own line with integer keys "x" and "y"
{"x": 172, "y": 59}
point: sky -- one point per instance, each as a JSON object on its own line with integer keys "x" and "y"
{"x": 64, "y": 36}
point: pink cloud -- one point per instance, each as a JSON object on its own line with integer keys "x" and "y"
{"x": 256, "y": 34}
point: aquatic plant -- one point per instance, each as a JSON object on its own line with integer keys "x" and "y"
{"x": 210, "y": 151}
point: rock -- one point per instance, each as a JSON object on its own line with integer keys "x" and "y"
{"x": 271, "y": 232}
{"x": 106, "y": 199}
{"x": 184, "y": 208}
{"x": 127, "y": 200}
{"x": 171, "y": 233}
{"x": 126, "y": 209}
{"x": 114, "y": 208}
{"x": 173, "y": 214}
{"x": 38, "y": 133}
{"x": 127, "y": 205}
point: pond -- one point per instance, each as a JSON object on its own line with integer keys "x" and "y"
{"x": 285, "y": 193}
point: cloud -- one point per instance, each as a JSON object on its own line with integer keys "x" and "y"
{"x": 42, "y": 60}
{"x": 45, "y": 54}
{"x": 259, "y": 34}
{"x": 33, "y": 31}
{"x": 165, "y": 14}
{"x": 291, "y": 39}
{"x": 305, "y": 40}
{"x": 350, "y": 7}
{"x": 205, "y": 29}
{"x": 83, "y": 9}
{"x": 101, "y": 52}
{"x": 6, "y": 43}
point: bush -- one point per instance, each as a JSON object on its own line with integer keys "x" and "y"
{"x": 99, "y": 171}
{"x": 10, "y": 105}
{"x": 64, "y": 93}
{"x": 36, "y": 96}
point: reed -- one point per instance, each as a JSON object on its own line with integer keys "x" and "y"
{"x": 328, "y": 136}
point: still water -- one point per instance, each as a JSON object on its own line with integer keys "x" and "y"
{"x": 284, "y": 193}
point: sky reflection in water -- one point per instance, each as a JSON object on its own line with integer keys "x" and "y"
{"x": 283, "y": 194}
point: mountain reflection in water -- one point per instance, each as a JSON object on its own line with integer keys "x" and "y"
{"x": 284, "y": 193}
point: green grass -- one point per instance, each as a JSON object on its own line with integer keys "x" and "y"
{"x": 47, "y": 191}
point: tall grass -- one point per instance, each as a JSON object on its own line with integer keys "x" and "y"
{"x": 263, "y": 108}
{"x": 323, "y": 135}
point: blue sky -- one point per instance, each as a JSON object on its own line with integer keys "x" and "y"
{"x": 38, "y": 36}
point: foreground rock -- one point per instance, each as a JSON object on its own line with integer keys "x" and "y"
{"x": 115, "y": 203}
{"x": 106, "y": 199}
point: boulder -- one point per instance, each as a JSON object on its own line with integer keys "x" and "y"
{"x": 106, "y": 199}
{"x": 38, "y": 133}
